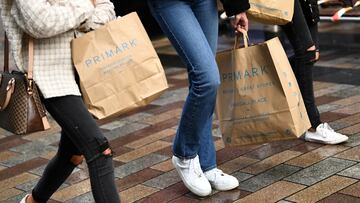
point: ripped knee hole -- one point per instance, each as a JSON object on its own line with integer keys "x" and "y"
{"x": 311, "y": 55}
{"x": 313, "y": 48}
{"x": 317, "y": 55}
{"x": 107, "y": 152}
{"x": 77, "y": 159}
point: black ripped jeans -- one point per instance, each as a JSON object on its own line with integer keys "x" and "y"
{"x": 80, "y": 136}
{"x": 302, "y": 36}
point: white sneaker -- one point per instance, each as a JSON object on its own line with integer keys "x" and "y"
{"x": 326, "y": 135}
{"x": 24, "y": 199}
{"x": 193, "y": 177}
{"x": 220, "y": 180}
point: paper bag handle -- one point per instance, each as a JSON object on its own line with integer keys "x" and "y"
{"x": 245, "y": 37}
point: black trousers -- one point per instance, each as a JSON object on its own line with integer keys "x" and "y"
{"x": 303, "y": 35}
{"x": 80, "y": 136}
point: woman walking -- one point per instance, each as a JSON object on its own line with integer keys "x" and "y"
{"x": 302, "y": 33}
{"x": 192, "y": 27}
{"x": 52, "y": 24}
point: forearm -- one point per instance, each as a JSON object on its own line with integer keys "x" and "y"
{"x": 40, "y": 19}
{"x": 103, "y": 13}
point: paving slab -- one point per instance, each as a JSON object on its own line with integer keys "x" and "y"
{"x": 320, "y": 171}
{"x": 282, "y": 171}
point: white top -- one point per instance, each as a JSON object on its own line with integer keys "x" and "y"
{"x": 52, "y": 24}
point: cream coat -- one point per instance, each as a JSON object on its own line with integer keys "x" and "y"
{"x": 53, "y": 24}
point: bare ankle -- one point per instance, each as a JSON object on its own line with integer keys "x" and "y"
{"x": 312, "y": 130}
{"x": 30, "y": 199}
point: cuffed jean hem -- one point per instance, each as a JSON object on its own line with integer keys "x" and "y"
{"x": 209, "y": 168}
{"x": 191, "y": 157}
{"x": 184, "y": 157}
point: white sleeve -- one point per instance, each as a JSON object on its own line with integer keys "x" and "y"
{"x": 40, "y": 19}
{"x": 103, "y": 13}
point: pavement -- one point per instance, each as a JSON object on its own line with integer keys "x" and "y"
{"x": 286, "y": 171}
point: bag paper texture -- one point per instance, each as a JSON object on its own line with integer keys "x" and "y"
{"x": 259, "y": 99}
{"x": 276, "y": 12}
{"x": 118, "y": 67}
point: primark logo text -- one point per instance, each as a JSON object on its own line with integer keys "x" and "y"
{"x": 245, "y": 74}
{"x": 120, "y": 48}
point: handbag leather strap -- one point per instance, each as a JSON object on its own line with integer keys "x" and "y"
{"x": 11, "y": 84}
{"x": 31, "y": 57}
{"x": 6, "y": 54}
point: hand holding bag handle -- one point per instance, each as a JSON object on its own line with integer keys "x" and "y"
{"x": 245, "y": 37}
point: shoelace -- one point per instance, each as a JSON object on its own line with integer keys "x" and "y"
{"x": 219, "y": 172}
{"x": 196, "y": 167}
{"x": 325, "y": 130}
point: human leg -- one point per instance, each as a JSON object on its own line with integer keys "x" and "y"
{"x": 80, "y": 131}
{"x": 206, "y": 14}
{"x": 301, "y": 41}
{"x": 179, "y": 20}
{"x": 66, "y": 159}
{"x": 300, "y": 35}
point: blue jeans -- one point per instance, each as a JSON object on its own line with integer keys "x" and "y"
{"x": 192, "y": 27}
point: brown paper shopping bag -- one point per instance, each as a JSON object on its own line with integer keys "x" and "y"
{"x": 276, "y": 12}
{"x": 259, "y": 99}
{"x": 118, "y": 67}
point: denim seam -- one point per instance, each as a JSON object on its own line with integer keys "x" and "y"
{"x": 177, "y": 41}
{"x": 184, "y": 157}
{"x": 100, "y": 182}
{"x": 186, "y": 58}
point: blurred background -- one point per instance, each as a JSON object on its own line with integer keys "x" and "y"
{"x": 338, "y": 40}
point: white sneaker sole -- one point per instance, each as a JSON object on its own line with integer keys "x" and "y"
{"x": 226, "y": 188}
{"x": 333, "y": 142}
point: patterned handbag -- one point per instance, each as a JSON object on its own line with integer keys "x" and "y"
{"x": 21, "y": 110}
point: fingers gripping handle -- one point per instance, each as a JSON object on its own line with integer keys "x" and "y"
{"x": 245, "y": 38}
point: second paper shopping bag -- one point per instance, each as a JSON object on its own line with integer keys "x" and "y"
{"x": 259, "y": 99}
{"x": 118, "y": 67}
{"x": 276, "y": 12}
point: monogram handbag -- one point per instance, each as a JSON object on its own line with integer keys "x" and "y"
{"x": 21, "y": 110}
